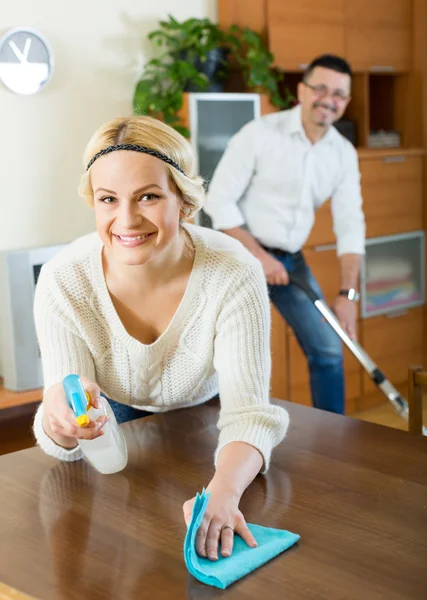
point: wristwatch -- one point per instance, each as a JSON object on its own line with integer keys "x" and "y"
{"x": 351, "y": 294}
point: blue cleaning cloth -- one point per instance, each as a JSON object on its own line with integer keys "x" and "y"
{"x": 226, "y": 570}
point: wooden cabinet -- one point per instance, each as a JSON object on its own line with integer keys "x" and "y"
{"x": 300, "y": 31}
{"x": 394, "y": 343}
{"x": 392, "y": 189}
{"x": 245, "y": 13}
{"x": 322, "y": 232}
{"x": 379, "y": 34}
{"x": 325, "y": 267}
{"x": 299, "y": 383}
{"x": 373, "y": 36}
{"x": 279, "y": 356}
{"x": 385, "y": 43}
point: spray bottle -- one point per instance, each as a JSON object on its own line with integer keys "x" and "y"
{"x": 108, "y": 452}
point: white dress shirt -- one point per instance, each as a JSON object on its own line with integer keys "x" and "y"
{"x": 272, "y": 179}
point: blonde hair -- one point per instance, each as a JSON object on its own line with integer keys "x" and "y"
{"x": 149, "y": 132}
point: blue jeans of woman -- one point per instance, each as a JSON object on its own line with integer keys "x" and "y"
{"x": 125, "y": 413}
{"x": 319, "y": 342}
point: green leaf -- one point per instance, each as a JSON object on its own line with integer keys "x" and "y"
{"x": 235, "y": 29}
{"x": 184, "y": 46}
{"x": 200, "y": 80}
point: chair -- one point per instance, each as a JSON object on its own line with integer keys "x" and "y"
{"x": 417, "y": 379}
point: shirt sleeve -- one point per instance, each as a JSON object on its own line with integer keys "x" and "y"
{"x": 243, "y": 363}
{"x": 347, "y": 213}
{"x": 231, "y": 178}
{"x": 63, "y": 352}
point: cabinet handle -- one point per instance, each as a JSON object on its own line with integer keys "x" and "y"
{"x": 324, "y": 248}
{"x": 303, "y": 66}
{"x": 381, "y": 68}
{"x": 398, "y": 313}
{"x": 394, "y": 159}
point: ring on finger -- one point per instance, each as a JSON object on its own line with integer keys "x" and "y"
{"x": 227, "y": 527}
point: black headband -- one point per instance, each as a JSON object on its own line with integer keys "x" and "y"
{"x": 135, "y": 148}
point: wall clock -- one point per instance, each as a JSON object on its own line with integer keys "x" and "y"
{"x": 26, "y": 61}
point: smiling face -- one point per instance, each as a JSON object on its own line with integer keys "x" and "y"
{"x": 324, "y": 96}
{"x": 137, "y": 207}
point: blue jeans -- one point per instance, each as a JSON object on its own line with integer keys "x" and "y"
{"x": 125, "y": 413}
{"x": 319, "y": 342}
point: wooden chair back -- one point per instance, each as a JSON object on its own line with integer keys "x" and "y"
{"x": 417, "y": 380}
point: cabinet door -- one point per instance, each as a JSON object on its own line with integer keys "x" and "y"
{"x": 394, "y": 343}
{"x": 325, "y": 266}
{"x": 322, "y": 232}
{"x": 392, "y": 194}
{"x": 279, "y": 356}
{"x": 379, "y": 34}
{"x": 246, "y": 13}
{"x": 300, "y": 31}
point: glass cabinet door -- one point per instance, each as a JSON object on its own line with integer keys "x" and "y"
{"x": 214, "y": 119}
{"x": 393, "y": 274}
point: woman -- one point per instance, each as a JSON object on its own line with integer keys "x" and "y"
{"x": 160, "y": 315}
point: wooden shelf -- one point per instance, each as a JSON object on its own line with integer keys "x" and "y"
{"x": 10, "y": 399}
{"x": 369, "y": 153}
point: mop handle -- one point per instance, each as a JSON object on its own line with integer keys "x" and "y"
{"x": 399, "y": 403}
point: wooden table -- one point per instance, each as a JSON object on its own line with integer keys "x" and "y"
{"x": 356, "y": 493}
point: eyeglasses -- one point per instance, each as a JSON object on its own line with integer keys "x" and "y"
{"x": 323, "y": 90}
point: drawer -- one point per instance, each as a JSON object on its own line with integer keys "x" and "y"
{"x": 394, "y": 343}
{"x": 392, "y": 194}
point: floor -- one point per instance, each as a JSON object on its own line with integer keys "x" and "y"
{"x": 386, "y": 415}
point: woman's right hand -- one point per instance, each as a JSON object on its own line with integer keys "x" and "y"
{"x": 59, "y": 421}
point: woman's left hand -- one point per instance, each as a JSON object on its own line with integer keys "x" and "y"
{"x": 221, "y": 521}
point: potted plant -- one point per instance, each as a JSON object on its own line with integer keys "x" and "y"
{"x": 256, "y": 62}
{"x": 198, "y": 42}
{"x": 193, "y": 58}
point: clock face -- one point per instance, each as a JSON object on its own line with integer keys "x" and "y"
{"x": 25, "y": 61}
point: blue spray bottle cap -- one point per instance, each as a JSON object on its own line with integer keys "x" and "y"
{"x": 78, "y": 399}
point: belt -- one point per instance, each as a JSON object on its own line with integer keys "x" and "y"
{"x": 281, "y": 252}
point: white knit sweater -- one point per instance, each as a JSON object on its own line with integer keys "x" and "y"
{"x": 217, "y": 341}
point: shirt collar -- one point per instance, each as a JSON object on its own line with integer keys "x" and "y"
{"x": 296, "y": 127}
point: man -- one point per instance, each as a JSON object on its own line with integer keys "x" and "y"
{"x": 274, "y": 174}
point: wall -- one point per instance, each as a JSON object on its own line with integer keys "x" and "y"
{"x": 99, "y": 49}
